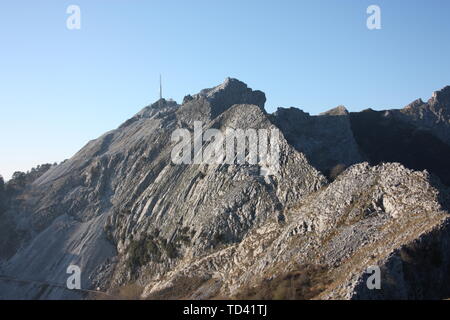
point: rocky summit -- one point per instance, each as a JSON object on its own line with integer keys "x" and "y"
{"x": 353, "y": 191}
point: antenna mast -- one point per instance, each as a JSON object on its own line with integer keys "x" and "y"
{"x": 160, "y": 87}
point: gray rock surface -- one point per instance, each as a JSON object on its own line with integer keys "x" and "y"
{"x": 326, "y": 140}
{"x": 433, "y": 115}
{"x": 362, "y": 219}
{"x": 126, "y": 214}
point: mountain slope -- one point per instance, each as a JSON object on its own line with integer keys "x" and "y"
{"x": 122, "y": 189}
{"x": 125, "y": 213}
{"x": 368, "y": 216}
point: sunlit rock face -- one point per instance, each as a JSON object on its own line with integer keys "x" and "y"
{"x": 126, "y": 214}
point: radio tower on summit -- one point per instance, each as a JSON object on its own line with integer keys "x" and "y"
{"x": 160, "y": 87}
{"x": 160, "y": 91}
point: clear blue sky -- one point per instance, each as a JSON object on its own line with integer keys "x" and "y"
{"x": 61, "y": 88}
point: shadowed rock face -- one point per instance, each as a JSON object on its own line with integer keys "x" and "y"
{"x": 123, "y": 212}
{"x": 433, "y": 116}
{"x": 417, "y": 270}
{"x": 383, "y": 138}
{"x": 327, "y": 139}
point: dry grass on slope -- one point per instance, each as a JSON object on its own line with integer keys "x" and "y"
{"x": 303, "y": 283}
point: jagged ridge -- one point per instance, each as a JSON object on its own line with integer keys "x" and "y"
{"x": 123, "y": 212}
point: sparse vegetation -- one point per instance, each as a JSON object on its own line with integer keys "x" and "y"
{"x": 109, "y": 233}
{"x": 336, "y": 171}
{"x": 142, "y": 252}
{"x": 2, "y": 195}
{"x": 304, "y": 283}
{"x": 184, "y": 236}
{"x": 151, "y": 248}
{"x": 128, "y": 292}
{"x": 20, "y": 179}
{"x": 218, "y": 239}
{"x": 169, "y": 248}
{"x": 182, "y": 288}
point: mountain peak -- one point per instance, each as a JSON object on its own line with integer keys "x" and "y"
{"x": 230, "y": 92}
{"x": 338, "y": 111}
{"x": 441, "y": 96}
{"x": 229, "y": 84}
{"x": 415, "y": 104}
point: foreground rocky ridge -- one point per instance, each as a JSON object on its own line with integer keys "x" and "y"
{"x": 364, "y": 218}
{"x": 125, "y": 214}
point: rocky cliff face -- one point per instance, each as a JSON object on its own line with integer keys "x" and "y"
{"x": 326, "y": 139}
{"x": 433, "y": 115}
{"x": 123, "y": 212}
{"x": 364, "y": 218}
{"x": 416, "y": 136}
